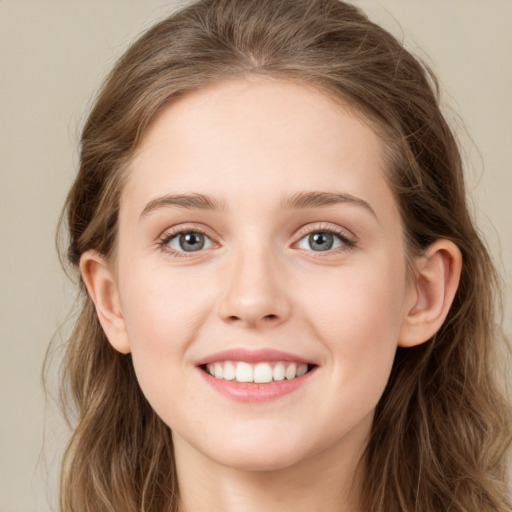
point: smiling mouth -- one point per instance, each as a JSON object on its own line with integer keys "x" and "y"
{"x": 258, "y": 373}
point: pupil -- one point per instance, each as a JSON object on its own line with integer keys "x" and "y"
{"x": 191, "y": 241}
{"x": 321, "y": 241}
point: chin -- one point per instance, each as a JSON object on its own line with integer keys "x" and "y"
{"x": 258, "y": 460}
{"x": 258, "y": 456}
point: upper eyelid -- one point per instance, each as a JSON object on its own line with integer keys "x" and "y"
{"x": 330, "y": 228}
{"x": 175, "y": 231}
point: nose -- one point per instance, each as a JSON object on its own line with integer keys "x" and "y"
{"x": 256, "y": 295}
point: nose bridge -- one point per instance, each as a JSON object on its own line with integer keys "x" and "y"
{"x": 255, "y": 292}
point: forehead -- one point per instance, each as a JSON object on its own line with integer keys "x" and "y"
{"x": 261, "y": 105}
{"x": 265, "y": 135}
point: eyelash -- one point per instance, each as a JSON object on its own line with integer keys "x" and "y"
{"x": 348, "y": 242}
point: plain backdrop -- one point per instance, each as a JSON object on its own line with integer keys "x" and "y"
{"x": 54, "y": 55}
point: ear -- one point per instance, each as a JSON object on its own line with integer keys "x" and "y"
{"x": 436, "y": 281}
{"x": 101, "y": 285}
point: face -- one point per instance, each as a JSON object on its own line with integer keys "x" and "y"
{"x": 258, "y": 240}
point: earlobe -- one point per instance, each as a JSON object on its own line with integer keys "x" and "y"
{"x": 102, "y": 289}
{"x": 437, "y": 278}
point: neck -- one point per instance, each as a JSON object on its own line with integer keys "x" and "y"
{"x": 327, "y": 481}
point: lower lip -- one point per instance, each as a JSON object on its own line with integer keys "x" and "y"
{"x": 252, "y": 392}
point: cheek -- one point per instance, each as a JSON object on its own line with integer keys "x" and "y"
{"x": 368, "y": 295}
{"x": 161, "y": 311}
{"x": 162, "y": 318}
{"x": 358, "y": 316}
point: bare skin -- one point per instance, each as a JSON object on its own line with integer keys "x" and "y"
{"x": 312, "y": 484}
{"x": 257, "y": 218}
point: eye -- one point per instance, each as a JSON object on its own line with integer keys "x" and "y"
{"x": 187, "y": 241}
{"x": 323, "y": 240}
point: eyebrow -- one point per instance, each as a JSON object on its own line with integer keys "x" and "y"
{"x": 300, "y": 200}
{"x": 319, "y": 199}
{"x": 189, "y": 201}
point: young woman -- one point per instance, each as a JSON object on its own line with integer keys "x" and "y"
{"x": 286, "y": 305}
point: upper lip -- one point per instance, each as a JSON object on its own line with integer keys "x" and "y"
{"x": 252, "y": 356}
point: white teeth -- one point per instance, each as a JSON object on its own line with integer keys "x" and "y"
{"x": 302, "y": 369}
{"x": 218, "y": 371}
{"x": 279, "y": 372}
{"x": 259, "y": 373}
{"x": 244, "y": 372}
{"x": 291, "y": 371}
{"x": 262, "y": 373}
{"x": 229, "y": 371}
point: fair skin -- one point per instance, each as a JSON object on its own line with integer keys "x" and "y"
{"x": 322, "y": 280}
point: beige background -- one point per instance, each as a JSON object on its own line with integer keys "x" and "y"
{"x": 53, "y": 55}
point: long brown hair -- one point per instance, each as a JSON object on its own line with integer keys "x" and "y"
{"x": 441, "y": 432}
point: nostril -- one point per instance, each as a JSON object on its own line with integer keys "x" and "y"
{"x": 266, "y": 318}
